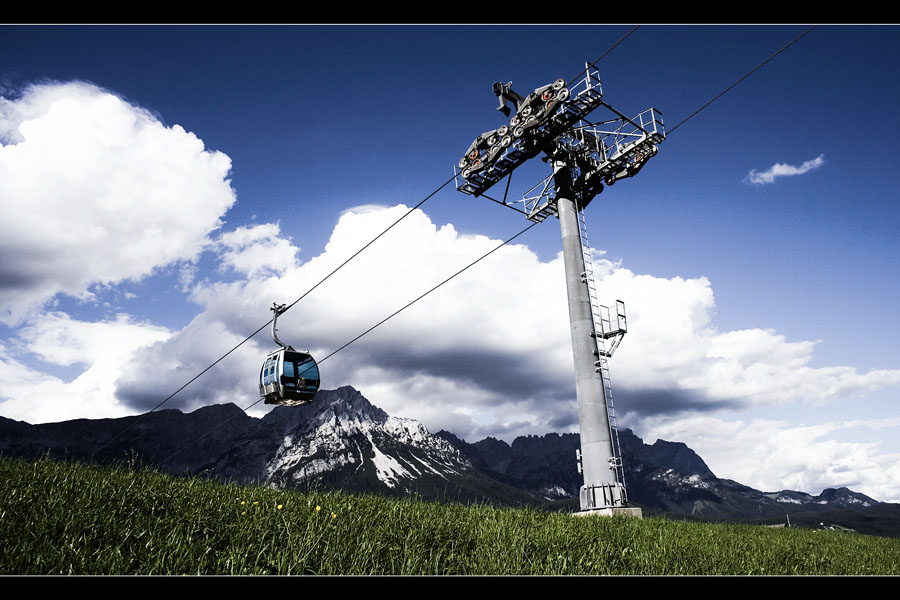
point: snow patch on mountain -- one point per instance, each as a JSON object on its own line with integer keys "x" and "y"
{"x": 696, "y": 481}
{"x": 787, "y": 500}
{"x": 388, "y": 469}
{"x": 430, "y": 468}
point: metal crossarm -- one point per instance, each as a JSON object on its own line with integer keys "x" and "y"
{"x": 607, "y": 151}
{"x": 600, "y": 154}
{"x": 536, "y": 139}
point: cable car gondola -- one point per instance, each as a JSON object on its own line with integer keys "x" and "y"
{"x": 288, "y": 377}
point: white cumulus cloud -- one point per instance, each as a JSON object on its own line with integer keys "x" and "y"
{"x": 252, "y": 250}
{"x": 38, "y": 393}
{"x": 784, "y": 170}
{"x": 94, "y": 190}
{"x": 772, "y": 455}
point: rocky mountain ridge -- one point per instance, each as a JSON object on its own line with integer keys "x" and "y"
{"x": 342, "y": 441}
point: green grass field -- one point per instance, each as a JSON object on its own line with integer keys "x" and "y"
{"x": 59, "y": 518}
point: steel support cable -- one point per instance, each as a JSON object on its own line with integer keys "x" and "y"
{"x": 203, "y": 435}
{"x": 751, "y": 72}
{"x": 172, "y": 395}
{"x": 372, "y": 241}
{"x": 602, "y": 56}
{"x": 398, "y": 311}
{"x": 367, "y": 331}
{"x": 266, "y": 324}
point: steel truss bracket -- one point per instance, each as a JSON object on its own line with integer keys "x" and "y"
{"x": 611, "y": 327}
{"x": 597, "y": 154}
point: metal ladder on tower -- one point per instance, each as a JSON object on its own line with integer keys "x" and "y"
{"x": 602, "y": 326}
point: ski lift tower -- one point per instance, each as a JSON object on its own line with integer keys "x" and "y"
{"x": 584, "y": 157}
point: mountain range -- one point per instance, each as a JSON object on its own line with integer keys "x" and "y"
{"x": 342, "y": 441}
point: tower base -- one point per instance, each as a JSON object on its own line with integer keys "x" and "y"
{"x": 605, "y": 495}
{"x": 612, "y": 512}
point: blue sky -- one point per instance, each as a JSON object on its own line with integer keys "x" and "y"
{"x": 161, "y": 186}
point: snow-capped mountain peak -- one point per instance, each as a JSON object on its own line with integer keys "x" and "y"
{"x": 346, "y": 437}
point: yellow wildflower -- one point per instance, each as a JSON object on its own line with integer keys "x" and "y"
{"x": 318, "y": 508}
{"x": 333, "y": 516}
{"x": 280, "y": 506}
{"x": 255, "y": 503}
{"x": 243, "y": 503}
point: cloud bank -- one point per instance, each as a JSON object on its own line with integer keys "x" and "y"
{"x": 487, "y": 354}
{"x": 784, "y": 170}
{"x": 96, "y": 191}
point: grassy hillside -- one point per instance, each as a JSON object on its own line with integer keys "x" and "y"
{"x": 58, "y": 518}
